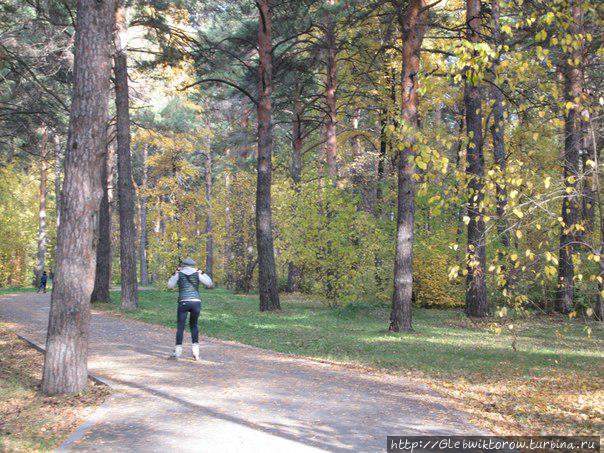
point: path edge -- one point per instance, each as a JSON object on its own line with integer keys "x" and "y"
{"x": 366, "y": 371}
{"x": 89, "y": 422}
{"x": 93, "y": 377}
{"x": 82, "y": 429}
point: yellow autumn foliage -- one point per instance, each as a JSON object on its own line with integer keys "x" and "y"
{"x": 431, "y": 286}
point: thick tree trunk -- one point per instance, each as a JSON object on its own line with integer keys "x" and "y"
{"x": 144, "y": 238}
{"x": 573, "y": 78}
{"x": 269, "y": 292}
{"x": 476, "y": 287}
{"x": 498, "y": 135}
{"x": 126, "y": 193}
{"x": 412, "y": 21}
{"x": 65, "y": 363}
{"x": 209, "y": 226}
{"x": 331, "y": 142}
{"x": 102, "y": 278}
{"x": 42, "y": 229}
{"x": 58, "y": 165}
{"x": 294, "y": 273}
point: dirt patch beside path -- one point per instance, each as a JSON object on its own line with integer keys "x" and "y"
{"x": 29, "y": 420}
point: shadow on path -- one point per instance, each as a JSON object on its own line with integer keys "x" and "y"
{"x": 237, "y": 398}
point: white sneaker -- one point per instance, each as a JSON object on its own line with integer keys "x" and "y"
{"x": 195, "y": 349}
{"x": 177, "y": 352}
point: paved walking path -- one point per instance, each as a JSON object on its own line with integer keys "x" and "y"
{"x": 237, "y": 398}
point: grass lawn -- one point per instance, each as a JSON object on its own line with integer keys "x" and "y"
{"x": 26, "y": 289}
{"x": 30, "y": 421}
{"x": 547, "y": 377}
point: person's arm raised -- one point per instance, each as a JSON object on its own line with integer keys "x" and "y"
{"x": 173, "y": 281}
{"x": 205, "y": 279}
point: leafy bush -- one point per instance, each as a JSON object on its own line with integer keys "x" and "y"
{"x": 338, "y": 247}
{"x": 431, "y": 286}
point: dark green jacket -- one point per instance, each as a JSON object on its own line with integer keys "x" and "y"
{"x": 188, "y": 287}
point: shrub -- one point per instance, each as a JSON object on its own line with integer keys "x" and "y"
{"x": 431, "y": 285}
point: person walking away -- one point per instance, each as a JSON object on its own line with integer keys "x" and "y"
{"x": 42, "y": 284}
{"x": 188, "y": 278}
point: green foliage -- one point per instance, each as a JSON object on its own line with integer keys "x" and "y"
{"x": 19, "y": 213}
{"x": 339, "y": 248}
{"x": 431, "y": 285}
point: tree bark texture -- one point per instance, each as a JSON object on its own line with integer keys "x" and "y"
{"x": 573, "y": 81}
{"x": 294, "y": 274}
{"x": 269, "y": 292}
{"x": 144, "y": 238}
{"x": 102, "y": 278}
{"x": 476, "y": 285}
{"x": 412, "y": 22}
{"x": 331, "y": 142}
{"x": 65, "y": 363}
{"x": 126, "y": 193}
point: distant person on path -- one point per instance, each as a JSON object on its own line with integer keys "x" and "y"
{"x": 188, "y": 278}
{"x": 43, "y": 280}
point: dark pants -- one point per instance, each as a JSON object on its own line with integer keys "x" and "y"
{"x": 185, "y": 308}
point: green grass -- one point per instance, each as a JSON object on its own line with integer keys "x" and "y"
{"x": 26, "y": 289}
{"x": 444, "y": 341}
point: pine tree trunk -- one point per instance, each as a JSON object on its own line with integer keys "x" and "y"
{"x": 412, "y": 22}
{"x": 126, "y": 193}
{"x": 294, "y": 273}
{"x": 144, "y": 239}
{"x": 42, "y": 229}
{"x": 498, "y": 135}
{"x": 65, "y": 363}
{"x": 476, "y": 288}
{"x": 209, "y": 226}
{"x": 102, "y": 278}
{"x": 573, "y": 77}
{"x": 58, "y": 165}
{"x": 331, "y": 143}
{"x": 269, "y": 292}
